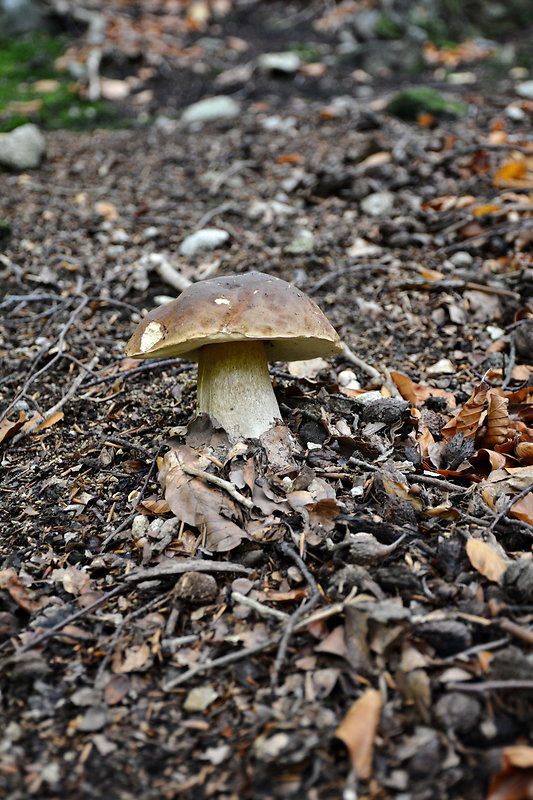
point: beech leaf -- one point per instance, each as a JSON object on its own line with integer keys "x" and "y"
{"x": 486, "y": 560}
{"x": 358, "y": 730}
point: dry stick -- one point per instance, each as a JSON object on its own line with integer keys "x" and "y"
{"x": 231, "y": 658}
{"x": 132, "y": 516}
{"x": 42, "y": 637}
{"x": 110, "y": 649}
{"x": 220, "y": 482}
{"x": 179, "y": 567}
{"x": 439, "y": 482}
{"x": 508, "y": 506}
{"x": 524, "y": 634}
{"x": 474, "y": 240}
{"x": 264, "y": 611}
{"x": 452, "y": 283}
{"x": 491, "y": 686}
{"x": 350, "y": 356}
{"x": 51, "y": 411}
{"x": 128, "y": 373}
{"x": 60, "y": 342}
{"x": 473, "y": 148}
{"x": 338, "y": 272}
{"x": 290, "y": 627}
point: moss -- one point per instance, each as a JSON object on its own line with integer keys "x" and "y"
{"x": 410, "y": 103}
{"x": 386, "y": 28}
{"x": 307, "y": 52}
{"x": 26, "y": 60}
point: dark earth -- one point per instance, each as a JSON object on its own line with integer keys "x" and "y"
{"x": 161, "y": 637}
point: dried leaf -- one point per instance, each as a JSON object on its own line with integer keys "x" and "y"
{"x": 470, "y": 417}
{"x": 515, "y": 780}
{"x": 497, "y": 420}
{"x": 9, "y": 428}
{"x": 10, "y": 581}
{"x": 523, "y": 509}
{"x": 358, "y": 731}
{"x": 524, "y": 451}
{"x": 197, "y": 503}
{"x": 417, "y": 393}
{"x": 49, "y": 421}
{"x": 515, "y": 174}
{"x": 75, "y": 581}
{"x": 133, "y": 659}
{"x": 486, "y": 560}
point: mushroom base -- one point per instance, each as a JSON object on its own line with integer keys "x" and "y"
{"x": 234, "y": 388}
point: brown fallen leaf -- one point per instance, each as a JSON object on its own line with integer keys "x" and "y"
{"x": 197, "y": 503}
{"x": 134, "y": 658}
{"x": 10, "y": 581}
{"x": 469, "y": 418}
{"x": 523, "y": 508}
{"x": 515, "y": 780}
{"x": 486, "y": 560}
{"x": 9, "y": 428}
{"x": 358, "y": 731}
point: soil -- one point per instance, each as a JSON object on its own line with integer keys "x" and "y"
{"x": 393, "y": 541}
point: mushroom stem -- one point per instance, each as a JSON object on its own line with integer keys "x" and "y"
{"x": 234, "y": 388}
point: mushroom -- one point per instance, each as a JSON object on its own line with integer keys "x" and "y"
{"x": 233, "y": 326}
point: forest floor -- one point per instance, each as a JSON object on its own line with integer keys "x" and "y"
{"x": 357, "y": 621}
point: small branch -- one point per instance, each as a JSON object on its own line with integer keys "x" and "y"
{"x": 220, "y": 482}
{"x": 168, "y": 273}
{"x": 179, "y": 567}
{"x": 43, "y": 637}
{"x": 350, "y": 356}
{"x": 59, "y": 405}
{"x": 491, "y": 686}
{"x": 508, "y": 506}
{"x": 524, "y": 634}
{"x": 264, "y": 611}
{"x": 447, "y": 486}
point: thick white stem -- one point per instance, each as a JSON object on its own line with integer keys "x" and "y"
{"x": 234, "y": 388}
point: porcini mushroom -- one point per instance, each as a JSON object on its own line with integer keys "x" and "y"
{"x": 233, "y": 326}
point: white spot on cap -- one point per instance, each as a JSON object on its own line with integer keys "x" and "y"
{"x": 222, "y": 301}
{"x": 151, "y": 335}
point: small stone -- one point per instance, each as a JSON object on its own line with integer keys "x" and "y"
{"x": 197, "y": 587}
{"x": 303, "y": 242}
{"x": 205, "y": 239}
{"x": 377, "y": 204}
{"x": 139, "y": 526}
{"x": 279, "y": 62}
{"x": 442, "y": 367}
{"x": 457, "y": 712}
{"x": 94, "y": 719}
{"x": 22, "y": 148}
{"x": 200, "y": 698}
{"x": 525, "y": 89}
{"x": 461, "y": 259}
{"x": 211, "y": 109}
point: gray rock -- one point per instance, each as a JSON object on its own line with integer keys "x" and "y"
{"x": 205, "y": 239}
{"x": 211, "y": 109}
{"x": 303, "y": 242}
{"x": 22, "y": 148}
{"x": 462, "y": 259}
{"x": 378, "y": 203}
{"x": 279, "y": 62}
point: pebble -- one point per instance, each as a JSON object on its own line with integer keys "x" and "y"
{"x": 279, "y": 62}
{"x": 196, "y": 587}
{"x": 303, "y": 242}
{"x": 377, "y": 203}
{"x": 211, "y": 109}
{"x": 200, "y": 698}
{"x": 461, "y": 259}
{"x": 205, "y": 239}
{"x": 22, "y": 148}
{"x": 525, "y": 89}
{"x": 139, "y": 526}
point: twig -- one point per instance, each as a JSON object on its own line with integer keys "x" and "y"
{"x": 215, "y": 212}
{"x": 231, "y": 658}
{"x": 125, "y": 443}
{"x": 51, "y": 411}
{"x": 524, "y": 634}
{"x": 439, "y": 482}
{"x": 168, "y": 273}
{"x": 179, "y": 567}
{"x": 128, "y": 373}
{"x": 494, "y": 231}
{"x": 338, "y": 272}
{"x": 263, "y": 610}
{"x": 451, "y": 155}
{"x": 508, "y": 506}
{"x": 132, "y": 516}
{"x": 491, "y": 686}
{"x": 42, "y": 637}
{"x": 287, "y": 550}
{"x": 350, "y": 356}
{"x": 110, "y": 648}
{"x": 220, "y": 482}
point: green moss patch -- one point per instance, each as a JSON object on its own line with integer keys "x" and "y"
{"x": 33, "y": 90}
{"x": 410, "y": 103}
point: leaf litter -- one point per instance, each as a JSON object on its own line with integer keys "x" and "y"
{"x": 192, "y": 617}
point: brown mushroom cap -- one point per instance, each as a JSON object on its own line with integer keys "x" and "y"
{"x": 237, "y": 308}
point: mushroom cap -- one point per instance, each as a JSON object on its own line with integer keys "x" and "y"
{"x": 237, "y": 308}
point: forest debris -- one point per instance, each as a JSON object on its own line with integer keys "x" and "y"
{"x": 486, "y": 559}
{"x": 358, "y": 731}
